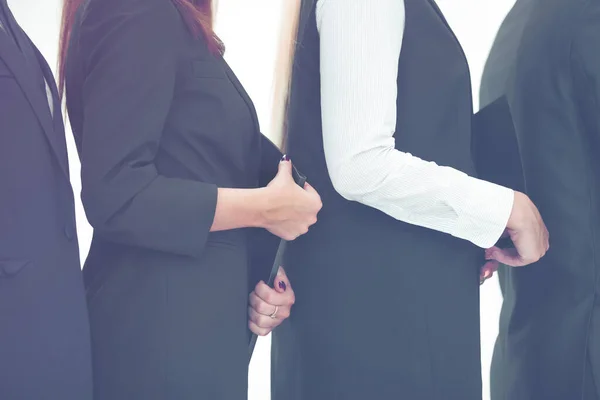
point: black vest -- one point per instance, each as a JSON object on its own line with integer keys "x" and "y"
{"x": 385, "y": 310}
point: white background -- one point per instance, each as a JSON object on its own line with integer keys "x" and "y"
{"x": 249, "y": 30}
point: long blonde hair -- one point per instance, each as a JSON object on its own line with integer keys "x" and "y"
{"x": 283, "y": 70}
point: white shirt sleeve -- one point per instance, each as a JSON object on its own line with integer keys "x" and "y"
{"x": 360, "y": 45}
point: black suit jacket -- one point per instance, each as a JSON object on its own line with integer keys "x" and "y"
{"x": 501, "y": 59}
{"x": 160, "y": 123}
{"x": 550, "y": 319}
{"x": 44, "y": 334}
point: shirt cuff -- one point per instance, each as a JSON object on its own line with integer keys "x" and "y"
{"x": 483, "y": 212}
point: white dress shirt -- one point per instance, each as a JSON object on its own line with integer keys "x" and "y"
{"x": 360, "y": 45}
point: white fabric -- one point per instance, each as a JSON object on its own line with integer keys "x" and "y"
{"x": 360, "y": 45}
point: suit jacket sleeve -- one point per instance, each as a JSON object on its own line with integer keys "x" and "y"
{"x": 131, "y": 60}
{"x": 586, "y": 62}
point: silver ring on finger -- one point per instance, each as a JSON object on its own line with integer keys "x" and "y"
{"x": 274, "y": 314}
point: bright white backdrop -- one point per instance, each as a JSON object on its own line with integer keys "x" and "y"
{"x": 249, "y": 29}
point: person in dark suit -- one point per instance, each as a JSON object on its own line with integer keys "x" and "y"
{"x": 172, "y": 160}
{"x": 548, "y": 345}
{"x": 44, "y": 329}
{"x": 498, "y": 68}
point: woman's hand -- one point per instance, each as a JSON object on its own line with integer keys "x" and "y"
{"x": 290, "y": 210}
{"x": 270, "y": 306}
{"x": 487, "y": 271}
{"x": 527, "y": 232}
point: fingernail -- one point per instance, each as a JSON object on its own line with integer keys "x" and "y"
{"x": 282, "y": 286}
{"x": 285, "y": 158}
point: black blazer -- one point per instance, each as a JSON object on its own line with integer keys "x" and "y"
{"x": 550, "y": 318}
{"x": 160, "y": 122}
{"x": 501, "y": 58}
{"x": 44, "y": 336}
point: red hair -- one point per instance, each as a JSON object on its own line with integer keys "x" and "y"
{"x": 198, "y": 15}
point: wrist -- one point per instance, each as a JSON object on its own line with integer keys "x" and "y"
{"x": 516, "y": 215}
{"x": 260, "y": 204}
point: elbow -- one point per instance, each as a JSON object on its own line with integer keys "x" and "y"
{"x": 359, "y": 174}
{"x": 106, "y": 196}
{"x": 359, "y": 177}
{"x": 348, "y": 180}
{"x": 342, "y": 184}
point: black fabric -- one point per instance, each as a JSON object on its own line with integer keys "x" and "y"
{"x": 550, "y": 319}
{"x": 590, "y": 392}
{"x": 4, "y": 21}
{"x": 160, "y": 123}
{"x": 496, "y": 73}
{"x": 384, "y": 310}
{"x": 495, "y": 147}
{"x": 502, "y": 55}
{"x": 25, "y": 45}
{"x": 44, "y": 339}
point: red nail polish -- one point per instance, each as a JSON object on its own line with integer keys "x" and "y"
{"x": 285, "y": 158}
{"x": 282, "y": 286}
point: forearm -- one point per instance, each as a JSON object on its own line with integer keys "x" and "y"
{"x": 239, "y": 208}
{"x": 425, "y": 194}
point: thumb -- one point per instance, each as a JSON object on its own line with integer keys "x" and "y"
{"x": 285, "y": 166}
{"x": 282, "y": 283}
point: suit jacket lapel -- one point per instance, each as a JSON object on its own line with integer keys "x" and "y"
{"x": 238, "y": 85}
{"x": 59, "y": 128}
{"x": 49, "y": 77}
{"x": 15, "y": 62}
